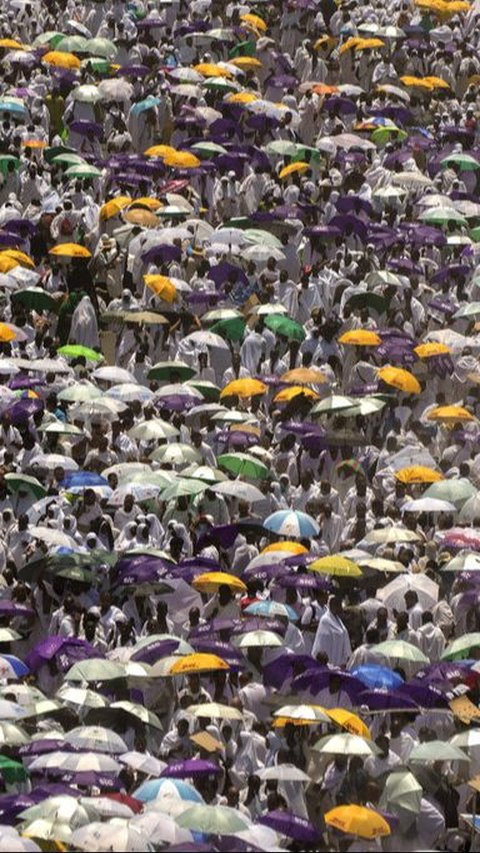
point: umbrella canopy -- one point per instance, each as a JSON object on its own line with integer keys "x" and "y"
{"x": 436, "y": 750}
{"x": 214, "y": 820}
{"x": 399, "y": 378}
{"x": 212, "y": 581}
{"x": 292, "y": 523}
{"x": 336, "y": 565}
{"x": 418, "y": 474}
{"x": 345, "y": 744}
{"x": 198, "y": 662}
{"x": 358, "y": 820}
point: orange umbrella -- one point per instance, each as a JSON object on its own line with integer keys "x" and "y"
{"x": 431, "y": 349}
{"x": 293, "y": 547}
{"x": 210, "y": 69}
{"x": 18, "y": 256}
{"x": 114, "y": 206}
{"x": 293, "y": 168}
{"x": 12, "y": 44}
{"x": 349, "y": 721}
{"x": 242, "y": 98}
{"x": 401, "y": 379}
{"x": 212, "y": 581}
{"x": 159, "y": 151}
{"x": 6, "y": 333}
{"x": 418, "y": 474}
{"x": 162, "y": 286}
{"x": 70, "y": 250}
{"x": 140, "y": 216}
{"x": 146, "y": 201}
{"x": 246, "y": 62}
{"x": 450, "y": 413}
{"x": 61, "y": 59}
{"x": 198, "y": 662}
{"x": 287, "y": 394}
{"x": 307, "y": 375}
{"x": 324, "y": 89}
{"x": 254, "y": 21}
{"x": 360, "y": 338}
{"x": 7, "y": 264}
{"x": 181, "y": 160}
{"x": 244, "y": 388}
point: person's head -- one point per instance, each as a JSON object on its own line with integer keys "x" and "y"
{"x": 402, "y": 621}
{"x": 336, "y": 605}
{"x": 224, "y": 594}
{"x": 410, "y": 598}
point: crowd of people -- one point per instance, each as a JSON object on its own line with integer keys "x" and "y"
{"x": 239, "y": 436}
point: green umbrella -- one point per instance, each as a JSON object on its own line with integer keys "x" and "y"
{"x": 220, "y": 84}
{"x": 401, "y": 651}
{"x": 103, "y": 48}
{"x": 51, "y": 37}
{"x": 281, "y": 147}
{"x": 12, "y": 771}
{"x": 85, "y": 171}
{"x": 5, "y": 160}
{"x": 382, "y": 135}
{"x": 402, "y": 795}
{"x": 75, "y": 573}
{"x": 72, "y": 44}
{"x": 34, "y": 298}
{"x": 243, "y": 48}
{"x": 24, "y": 483}
{"x": 208, "y": 390}
{"x": 305, "y": 152}
{"x": 437, "y": 750}
{"x": 455, "y": 491}
{"x": 94, "y": 63}
{"x": 182, "y": 488}
{"x": 232, "y": 329}
{"x": 243, "y": 465}
{"x": 462, "y": 646}
{"x": 69, "y": 160}
{"x": 465, "y": 162}
{"x": 170, "y": 371}
{"x": 208, "y": 149}
{"x": 50, "y": 153}
{"x": 442, "y": 215}
{"x": 213, "y": 820}
{"x": 79, "y": 351}
{"x": 262, "y": 238}
{"x": 60, "y": 428}
{"x": 285, "y": 326}
{"x": 469, "y": 310}
{"x": 333, "y": 404}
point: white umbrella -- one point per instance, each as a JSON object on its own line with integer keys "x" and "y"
{"x": 284, "y": 772}
{"x": 11, "y": 711}
{"x": 115, "y": 375}
{"x": 388, "y": 535}
{"x": 76, "y": 762}
{"x": 466, "y": 561}
{"x": 105, "y": 807}
{"x": 80, "y": 697}
{"x": 160, "y": 829}
{"x": 209, "y": 339}
{"x": 143, "y": 763}
{"x": 12, "y": 842}
{"x": 238, "y": 489}
{"x": 428, "y": 505}
{"x": 96, "y": 737}
{"x": 128, "y": 392}
{"x": 470, "y": 510}
{"x": 105, "y": 409}
{"x": 116, "y": 835}
{"x": 79, "y": 393}
{"x": 392, "y": 595}
{"x": 346, "y": 744}
{"x": 176, "y": 454}
{"x": 53, "y": 538}
{"x": 152, "y": 430}
{"x": 261, "y": 254}
{"x": 115, "y": 90}
{"x": 49, "y": 461}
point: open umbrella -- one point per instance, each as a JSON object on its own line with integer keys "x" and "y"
{"x": 345, "y": 744}
{"x": 292, "y": 523}
{"x": 358, "y": 820}
{"x": 436, "y": 750}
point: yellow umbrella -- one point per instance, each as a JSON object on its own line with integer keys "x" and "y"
{"x": 162, "y": 287}
{"x": 246, "y": 62}
{"x": 61, "y": 59}
{"x": 254, "y": 21}
{"x": 12, "y": 44}
{"x": 349, "y": 44}
{"x": 357, "y": 43}
{"x": 181, "y": 160}
{"x": 140, "y": 216}
{"x": 211, "y": 581}
{"x": 307, "y": 375}
{"x": 431, "y": 349}
{"x": 325, "y": 41}
{"x": 349, "y": 721}
{"x": 147, "y": 201}
{"x": 242, "y": 98}
{"x": 198, "y": 662}
{"x": 243, "y": 388}
{"x": 437, "y": 82}
{"x": 70, "y": 250}
{"x": 159, "y": 151}
{"x": 358, "y": 820}
{"x": 6, "y": 333}
{"x": 399, "y": 378}
{"x": 360, "y": 338}
{"x": 418, "y": 474}
{"x": 7, "y": 264}
{"x": 287, "y": 394}
{"x": 293, "y": 168}
{"x": 420, "y": 82}
{"x": 114, "y": 206}
{"x": 336, "y": 565}
{"x": 450, "y": 413}
{"x": 209, "y": 69}
{"x": 293, "y": 547}
{"x": 21, "y": 257}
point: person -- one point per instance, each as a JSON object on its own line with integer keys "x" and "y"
{"x": 332, "y": 636}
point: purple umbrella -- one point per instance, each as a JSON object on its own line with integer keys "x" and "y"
{"x": 351, "y": 225}
{"x": 91, "y": 778}
{"x": 134, "y": 70}
{"x": 24, "y": 409}
{"x": 148, "y": 571}
{"x": 236, "y": 439}
{"x": 156, "y": 650}
{"x": 12, "y": 608}
{"x": 316, "y": 680}
{"x": 425, "y": 695}
{"x": 86, "y": 128}
{"x": 385, "y": 700}
{"x": 24, "y": 381}
{"x": 282, "y": 81}
{"x": 9, "y": 239}
{"x": 340, "y": 105}
{"x": 190, "y": 768}
{"x": 354, "y": 203}
{"x": 45, "y": 745}
{"x": 215, "y": 626}
{"x": 285, "y": 665}
{"x": 12, "y": 804}
{"x": 65, "y": 650}
{"x": 163, "y": 254}
{"x": 445, "y": 671}
{"x": 222, "y": 272}
{"x": 322, "y": 232}
{"x": 291, "y": 825}
{"x": 306, "y": 583}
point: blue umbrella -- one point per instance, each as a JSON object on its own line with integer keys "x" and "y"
{"x": 376, "y": 676}
{"x": 146, "y": 104}
{"x": 292, "y": 523}
{"x": 271, "y": 608}
{"x": 17, "y": 667}
{"x": 150, "y": 790}
{"x": 83, "y": 480}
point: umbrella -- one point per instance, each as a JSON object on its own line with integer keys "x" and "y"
{"x": 259, "y": 639}
{"x": 450, "y": 414}
{"x": 461, "y": 647}
{"x": 399, "y": 378}
{"x": 214, "y": 820}
{"x": 292, "y": 523}
{"x": 198, "y": 662}
{"x": 157, "y": 789}
{"x": 392, "y": 595}
{"x": 358, "y": 820}
{"x": 97, "y": 836}
{"x": 215, "y": 710}
{"x": 375, "y": 676}
{"x": 349, "y": 721}
{"x": 238, "y": 489}
{"x": 360, "y": 338}
{"x": 345, "y": 744}
{"x": 336, "y": 565}
{"x": 456, "y": 491}
{"x": 463, "y": 562}
{"x": 243, "y": 465}
{"x": 70, "y": 250}
{"x": 428, "y": 505}
{"x": 399, "y": 650}
{"x": 212, "y": 581}
{"x": 291, "y": 825}
{"x": 285, "y": 326}
{"x": 171, "y": 371}
{"x": 401, "y": 794}
{"x": 418, "y": 474}
{"x": 436, "y": 750}
{"x": 243, "y": 388}
{"x": 96, "y": 738}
